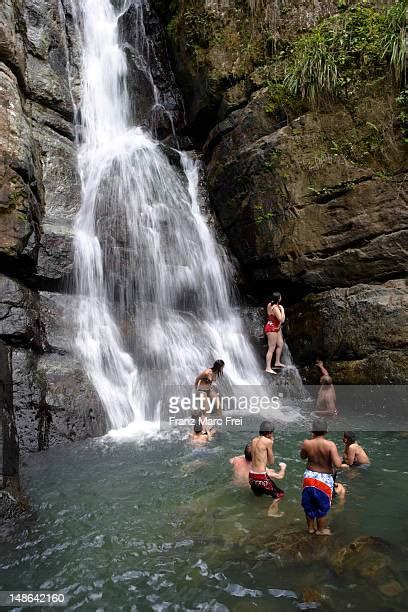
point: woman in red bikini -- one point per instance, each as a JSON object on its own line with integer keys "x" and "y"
{"x": 272, "y": 329}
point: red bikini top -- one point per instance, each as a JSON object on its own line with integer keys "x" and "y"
{"x": 273, "y": 318}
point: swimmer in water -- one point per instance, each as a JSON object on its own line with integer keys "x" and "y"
{"x": 353, "y": 454}
{"x": 242, "y": 465}
{"x": 199, "y": 436}
{"x": 339, "y": 492}
{"x": 326, "y": 398}
{"x": 205, "y": 384}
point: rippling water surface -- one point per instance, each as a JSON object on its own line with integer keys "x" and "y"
{"x": 158, "y": 525}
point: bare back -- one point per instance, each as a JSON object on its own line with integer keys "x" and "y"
{"x": 354, "y": 454}
{"x": 262, "y": 455}
{"x": 321, "y": 455}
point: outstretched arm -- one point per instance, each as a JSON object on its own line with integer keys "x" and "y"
{"x": 321, "y": 367}
{"x": 278, "y": 475}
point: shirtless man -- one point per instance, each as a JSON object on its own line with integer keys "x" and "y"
{"x": 353, "y": 453}
{"x": 322, "y": 455}
{"x": 259, "y": 479}
{"x": 242, "y": 465}
{"x": 326, "y": 398}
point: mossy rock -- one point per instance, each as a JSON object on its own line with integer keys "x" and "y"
{"x": 366, "y": 556}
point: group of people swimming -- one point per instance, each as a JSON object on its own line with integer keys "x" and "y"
{"x": 319, "y": 479}
{"x": 323, "y": 459}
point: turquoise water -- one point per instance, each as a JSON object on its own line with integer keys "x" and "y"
{"x": 159, "y": 525}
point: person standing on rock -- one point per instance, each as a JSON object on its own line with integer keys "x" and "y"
{"x": 273, "y": 331}
{"x": 318, "y": 483}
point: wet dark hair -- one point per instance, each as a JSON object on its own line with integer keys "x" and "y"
{"x": 319, "y": 427}
{"x": 350, "y": 436}
{"x": 248, "y": 452}
{"x": 276, "y": 296}
{"x": 218, "y": 366}
{"x": 266, "y": 427}
{"x": 198, "y": 428}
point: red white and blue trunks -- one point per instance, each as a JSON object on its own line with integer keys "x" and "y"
{"x": 317, "y": 493}
{"x": 262, "y": 484}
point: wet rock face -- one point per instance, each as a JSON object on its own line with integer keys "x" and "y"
{"x": 47, "y": 398}
{"x": 360, "y": 332}
{"x": 9, "y": 451}
{"x": 155, "y": 98}
{"x": 40, "y": 188}
{"x": 52, "y": 399}
{"x": 297, "y": 214}
{"x": 54, "y": 402}
{"x": 302, "y": 220}
{"x": 311, "y": 199}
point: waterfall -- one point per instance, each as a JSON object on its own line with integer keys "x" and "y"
{"x": 155, "y": 289}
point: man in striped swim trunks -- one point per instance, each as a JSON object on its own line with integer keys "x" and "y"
{"x": 322, "y": 456}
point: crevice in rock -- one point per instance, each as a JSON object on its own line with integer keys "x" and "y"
{"x": 332, "y": 193}
{"x": 17, "y": 74}
{"x": 68, "y": 135}
{"x": 352, "y": 245}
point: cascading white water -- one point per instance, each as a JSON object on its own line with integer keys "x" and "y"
{"x": 154, "y": 287}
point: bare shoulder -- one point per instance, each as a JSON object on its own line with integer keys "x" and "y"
{"x": 332, "y": 446}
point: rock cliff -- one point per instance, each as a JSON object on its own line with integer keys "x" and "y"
{"x": 307, "y": 178}
{"x": 299, "y": 110}
{"x": 45, "y": 396}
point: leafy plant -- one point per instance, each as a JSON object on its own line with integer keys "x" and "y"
{"x": 394, "y": 40}
{"x": 325, "y": 62}
{"x": 402, "y": 102}
{"x": 262, "y": 216}
{"x": 314, "y": 69}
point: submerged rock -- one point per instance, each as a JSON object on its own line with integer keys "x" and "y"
{"x": 367, "y": 556}
{"x": 391, "y": 588}
{"x": 299, "y": 546}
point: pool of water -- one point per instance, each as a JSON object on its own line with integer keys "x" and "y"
{"x": 159, "y": 525}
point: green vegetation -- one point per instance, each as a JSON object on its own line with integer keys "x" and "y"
{"x": 341, "y": 52}
{"x": 394, "y": 40}
{"x": 262, "y": 216}
{"x": 273, "y": 160}
{"x": 402, "y": 102}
